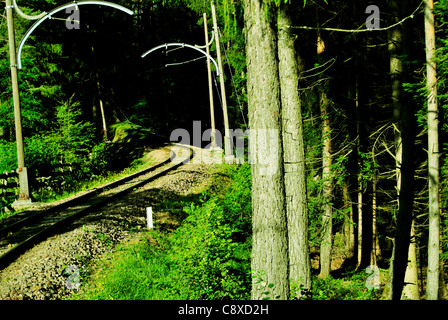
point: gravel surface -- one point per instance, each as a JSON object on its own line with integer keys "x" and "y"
{"x": 55, "y": 268}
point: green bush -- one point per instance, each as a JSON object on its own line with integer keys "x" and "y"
{"x": 137, "y": 272}
{"x": 8, "y": 156}
{"x": 99, "y": 158}
{"x": 347, "y": 288}
{"x": 207, "y": 257}
{"x": 211, "y": 249}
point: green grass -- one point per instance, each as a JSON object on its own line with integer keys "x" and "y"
{"x": 206, "y": 257}
{"x": 135, "y": 271}
{"x": 352, "y": 286}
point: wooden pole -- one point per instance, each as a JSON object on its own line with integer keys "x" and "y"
{"x": 24, "y": 194}
{"x": 227, "y": 141}
{"x": 210, "y": 86}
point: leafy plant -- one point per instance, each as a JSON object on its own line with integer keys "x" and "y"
{"x": 347, "y": 288}
{"x": 207, "y": 257}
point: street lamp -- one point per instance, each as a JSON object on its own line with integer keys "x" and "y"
{"x": 15, "y": 60}
{"x": 228, "y": 153}
{"x": 24, "y": 192}
{"x": 58, "y": 9}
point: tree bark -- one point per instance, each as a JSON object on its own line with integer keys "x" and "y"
{"x": 410, "y": 290}
{"x": 403, "y": 118}
{"x": 349, "y": 230}
{"x": 294, "y": 159}
{"x": 406, "y": 202}
{"x": 376, "y": 250}
{"x": 327, "y": 221}
{"x": 432, "y": 287}
{"x": 359, "y": 183}
{"x": 270, "y": 238}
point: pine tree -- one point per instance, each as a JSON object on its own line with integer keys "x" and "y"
{"x": 433, "y": 156}
{"x": 270, "y": 237}
{"x": 293, "y": 158}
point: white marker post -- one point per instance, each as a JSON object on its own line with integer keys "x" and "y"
{"x": 149, "y": 217}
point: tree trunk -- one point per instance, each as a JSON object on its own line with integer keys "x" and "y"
{"x": 349, "y": 230}
{"x": 327, "y": 221}
{"x": 359, "y": 177}
{"x": 327, "y": 191}
{"x": 432, "y": 287}
{"x": 406, "y": 271}
{"x": 376, "y": 250}
{"x": 406, "y": 202}
{"x": 410, "y": 290}
{"x": 294, "y": 159}
{"x": 270, "y": 238}
{"x": 103, "y": 116}
{"x": 100, "y": 101}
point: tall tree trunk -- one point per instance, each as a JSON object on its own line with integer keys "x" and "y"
{"x": 327, "y": 192}
{"x": 403, "y": 117}
{"x": 405, "y": 201}
{"x": 100, "y": 101}
{"x": 410, "y": 290}
{"x": 359, "y": 177}
{"x": 396, "y": 71}
{"x": 294, "y": 159}
{"x": 103, "y": 116}
{"x": 327, "y": 221}
{"x": 432, "y": 287}
{"x": 402, "y": 130}
{"x": 349, "y": 230}
{"x": 376, "y": 250}
{"x": 270, "y": 238}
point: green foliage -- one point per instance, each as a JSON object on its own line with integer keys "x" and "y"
{"x": 441, "y": 11}
{"x": 8, "y": 156}
{"x": 211, "y": 249}
{"x": 73, "y": 137}
{"x": 207, "y": 257}
{"x": 347, "y": 288}
{"x": 138, "y": 272}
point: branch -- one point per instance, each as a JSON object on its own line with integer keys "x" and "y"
{"x": 332, "y": 61}
{"x": 356, "y": 30}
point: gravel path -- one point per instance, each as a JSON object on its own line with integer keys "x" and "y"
{"x": 50, "y": 269}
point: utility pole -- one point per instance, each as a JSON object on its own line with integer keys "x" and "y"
{"x": 24, "y": 192}
{"x": 210, "y": 85}
{"x": 229, "y": 158}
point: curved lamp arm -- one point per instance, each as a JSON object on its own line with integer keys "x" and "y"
{"x": 208, "y": 44}
{"x": 49, "y": 14}
{"x": 25, "y": 16}
{"x": 183, "y": 45}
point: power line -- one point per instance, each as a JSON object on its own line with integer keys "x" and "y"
{"x": 185, "y": 62}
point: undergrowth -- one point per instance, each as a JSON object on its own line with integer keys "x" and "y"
{"x": 352, "y": 287}
{"x": 206, "y": 257}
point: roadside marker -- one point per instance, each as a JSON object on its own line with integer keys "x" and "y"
{"x": 149, "y": 217}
